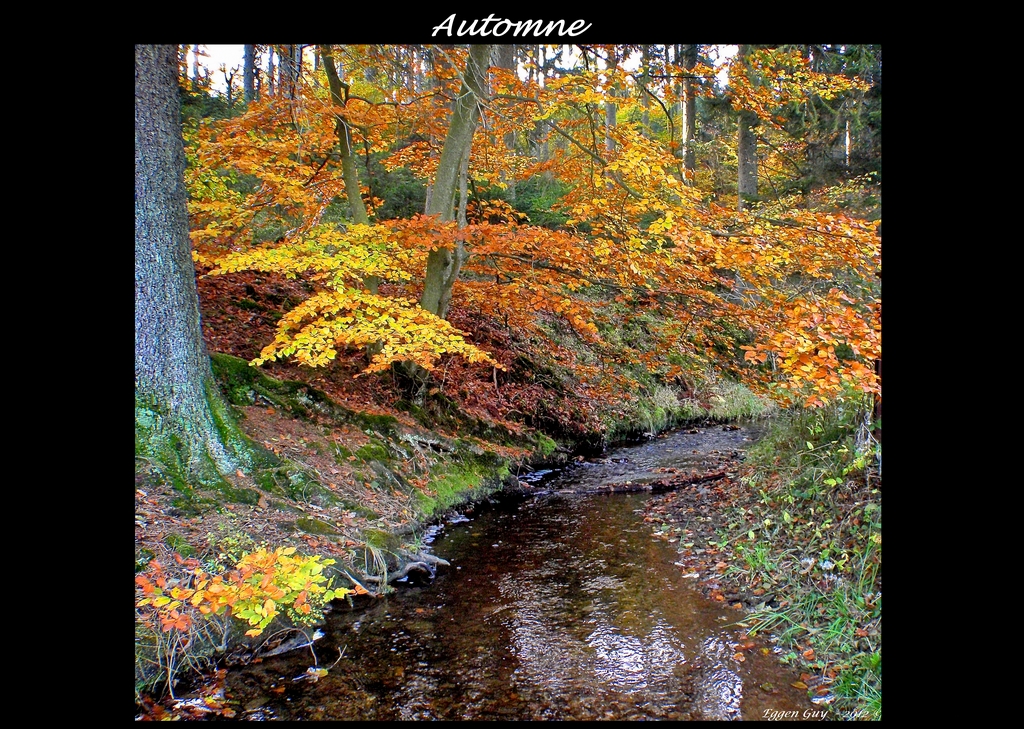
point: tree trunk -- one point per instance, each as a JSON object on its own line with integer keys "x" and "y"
{"x": 349, "y": 170}
{"x": 689, "y": 109}
{"x": 443, "y": 265}
{"x": 610, "y": 109}
{"x": 271, "y": 73}
{"x": 746, "y": 153}
{"x": 505, "y": 57}
{"x": 645, "y": 99}
{"x": 288, "y": 70}
{"x": 195, "y": 69}
{"x": 249, "y": 72}
{"x": 181, "y": 420}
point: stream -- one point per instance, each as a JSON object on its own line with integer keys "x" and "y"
{"x": 555, "y": 606}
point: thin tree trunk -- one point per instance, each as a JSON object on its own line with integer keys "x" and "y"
{"x": 249, "y": 72}
{"x": 689, "y": 110}
{"x": 443, "y": 264}
{"x": 349, "y": 169}
{"x": 645, "y": 99}
{"x": 746, "y": 152}
{"x": 505, "y": 57}
{"x": 195, "y": 68}
{"x": 610, "y": 109}
{"x": 271, "y": 75}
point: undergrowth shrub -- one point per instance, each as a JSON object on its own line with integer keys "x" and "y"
{"x": 182, "y": 611}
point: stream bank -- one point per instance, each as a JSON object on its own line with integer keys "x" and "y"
{"x": 354, "y": 486}
{"x": 558, "y": 603}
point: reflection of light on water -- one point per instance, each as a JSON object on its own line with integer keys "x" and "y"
{"x": 548, "y": 654}
{"x": 609, "y": 659}
{"x": 629, "y": 663}
{"x": 720, "y": 689}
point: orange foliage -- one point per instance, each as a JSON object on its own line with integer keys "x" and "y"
{"x": 799, "y": 285}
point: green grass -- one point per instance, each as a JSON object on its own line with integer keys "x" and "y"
{"x": 733, "y": 400}
{"x": 814, "y": 541}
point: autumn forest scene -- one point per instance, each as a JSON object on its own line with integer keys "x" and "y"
{"x": 508, "y": 381}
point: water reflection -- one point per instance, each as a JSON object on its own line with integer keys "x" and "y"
{"x": 554, "y": 608}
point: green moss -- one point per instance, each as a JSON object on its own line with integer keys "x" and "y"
{"x": 373, "y": 451}
{"x": 274, "y": 481}
{"x": 191, "y": 507}
{"x": 359, "y": 509}
{"x": 381, "y": 539}
{"x": 384, "y": 424}
{"x": 238, "y": 495}
{"x": 251, "y": 455}
{"x": 244, "y": 384}
{"x": 471, "y": 476}
{"x": 545, "y": 445}
{"x": 179, "y": 545}
{"x": 315, "y": 526}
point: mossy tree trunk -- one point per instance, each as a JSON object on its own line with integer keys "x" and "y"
{"x": 181, "y": 419}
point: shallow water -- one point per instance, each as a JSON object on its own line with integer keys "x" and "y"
{"x": 554, "y": 607}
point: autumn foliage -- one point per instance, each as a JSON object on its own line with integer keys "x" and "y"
{"x": 796, "y": 289}
{"x": 261, "y": 586}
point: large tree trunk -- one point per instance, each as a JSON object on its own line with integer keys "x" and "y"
{"x": 443, "y": 265}
{"x": 181, "y": 419}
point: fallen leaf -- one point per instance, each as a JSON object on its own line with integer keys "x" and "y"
{"x": 799, "y": 685}
{"x": 239, "y": 473}
{"x": 809, "y": 654}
